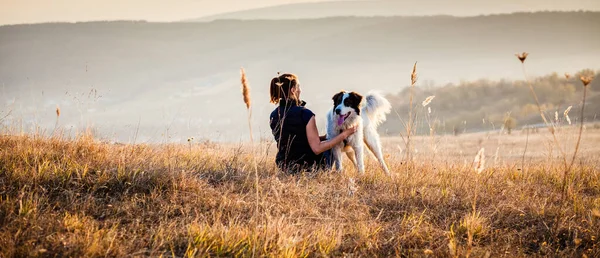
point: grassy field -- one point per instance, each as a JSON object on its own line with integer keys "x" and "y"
{"x": 81, "y": 197}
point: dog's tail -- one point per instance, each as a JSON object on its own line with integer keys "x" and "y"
{"x": 377, "y": 107}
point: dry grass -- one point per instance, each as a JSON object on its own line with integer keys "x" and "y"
{"x": 85, "y": 198}
{"x": 247, "y": 99}
{"x": 411, "y": 121}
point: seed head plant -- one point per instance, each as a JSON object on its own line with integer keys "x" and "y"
{"x": 247, "y": 100}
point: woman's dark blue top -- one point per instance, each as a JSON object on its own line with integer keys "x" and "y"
{"x": 288, "y": 124}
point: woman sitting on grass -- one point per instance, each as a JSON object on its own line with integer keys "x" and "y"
{"x": 299, "y": 146}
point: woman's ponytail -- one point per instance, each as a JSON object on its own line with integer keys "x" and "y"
{"x": 281, "y": 86}
{"x": 275, "y": 90}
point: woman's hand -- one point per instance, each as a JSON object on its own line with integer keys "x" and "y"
{"x": 349, "y": 131}
{"x": 318, "y": 146}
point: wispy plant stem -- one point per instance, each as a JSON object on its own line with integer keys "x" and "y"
{"x": 247, "y": 100}
{"x": 564, "y": 186}
{"x": 550, "y": 126}
{"x": 474, "y": 205}
{"x": 525, "y": 150}
{"x": 409, "y": 127}
{"x": 250, "y": 124}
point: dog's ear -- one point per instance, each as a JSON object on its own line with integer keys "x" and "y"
{"x": 337, "y": 98}
{"x": 354, "y": 100}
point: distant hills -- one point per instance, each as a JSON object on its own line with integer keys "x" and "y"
{"x": 486, "y": 105}
{"x": 184, "y": 77}
{"x": 403, "y": 8}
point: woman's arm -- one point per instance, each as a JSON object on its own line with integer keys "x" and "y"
{"x": 315, "y": 142}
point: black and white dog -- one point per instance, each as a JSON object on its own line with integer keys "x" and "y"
{"x": 351, "y": 109}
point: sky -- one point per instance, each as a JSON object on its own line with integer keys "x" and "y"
{"x": 38, "y": 11}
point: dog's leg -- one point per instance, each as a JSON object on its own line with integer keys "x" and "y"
{"x": 351, "y": 155}
{"x": 337, "y": 157}
{"x": 357, "y": 144}
{"x": 360, "y": 165}
{"x": 373, "y": 143}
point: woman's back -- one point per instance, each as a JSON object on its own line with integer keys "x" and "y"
{"x": 288, "y": 123}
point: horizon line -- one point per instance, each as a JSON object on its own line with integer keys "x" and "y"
{"x": 199, "y": 20}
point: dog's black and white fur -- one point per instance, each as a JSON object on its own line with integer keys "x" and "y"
{"x": 351, "y": 109}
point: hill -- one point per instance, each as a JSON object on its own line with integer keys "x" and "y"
{"x": 176, "y": 80}
{"x": 486, "y": 105}
{"x": 402, "y": 8}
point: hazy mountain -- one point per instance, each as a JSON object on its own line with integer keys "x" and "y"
{"x": 404, "y": 8}
{"x": 184, "y": 77}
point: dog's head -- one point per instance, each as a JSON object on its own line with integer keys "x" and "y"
{"x": 346, "y": 105}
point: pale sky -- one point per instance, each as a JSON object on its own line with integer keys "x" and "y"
{"x": 36, "y": 11}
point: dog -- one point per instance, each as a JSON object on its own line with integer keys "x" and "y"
{"x": 367, "y": 113}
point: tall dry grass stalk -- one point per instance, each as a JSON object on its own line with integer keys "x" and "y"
{"x": 190, "y": 141}
{"x": 427, "y": 100}
{"x": 567, "y": 166}
{"x": 566, "y": 114}
{"x": 57, "y": 118}
{"x": 479, "y": 161}
{"x": 478, "y": 166}
{"x": 247, "y": 100}
{"x": 586, "y": 81}
{"x": 411, "y": 120}
{"x": 433, "y": 147}
{"x": 525, "y": 151}
{"x": 522, "y": 57}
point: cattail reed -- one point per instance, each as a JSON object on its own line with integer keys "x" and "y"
{"x": 247, "y": 100}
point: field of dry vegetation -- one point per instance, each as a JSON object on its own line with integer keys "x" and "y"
{"x": 493, "y": 194}
{"x": 81, "y": 197}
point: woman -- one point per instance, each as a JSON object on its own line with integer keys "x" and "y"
{"x": 299, "y": 146}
